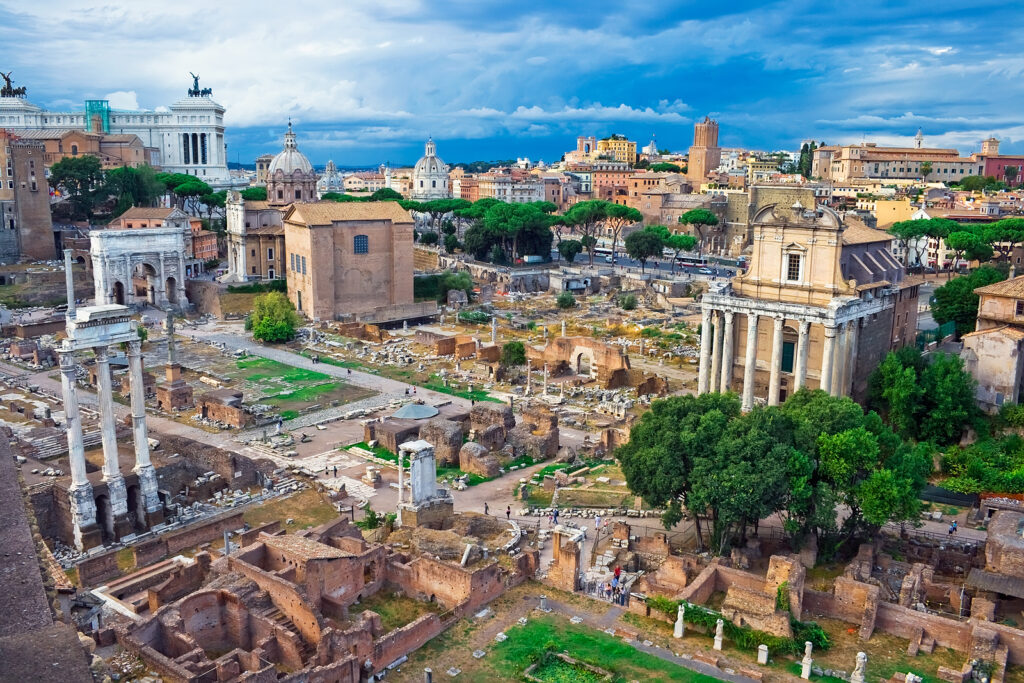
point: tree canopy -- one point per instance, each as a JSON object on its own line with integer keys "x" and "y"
{"x": 513, "y": 354}
{"x": 700, "y": 219}
{"x": 924, "y": 399}
{"x": 569, "y": 249}
{"x": 273, "y": 318}
{"x": 665, "y": 167}
{"x": 584, "y": 218}
{"x": 81, "y": 179}
{"x": 256, "y": 194}
{"x": 517, "y": 229}
{"x": 956, "y": 301}
{"x": 801, "y": 460}
{"x": 643, "y": 244}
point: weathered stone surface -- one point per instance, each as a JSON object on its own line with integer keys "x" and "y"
{"x": 446, "y": 437}
{"x": 476, "y": 459}
{"x": 487, "y": 413}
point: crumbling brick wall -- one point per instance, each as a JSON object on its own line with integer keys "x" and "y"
{"x": 95, "y": 570}
{"x": 446, "y": 438}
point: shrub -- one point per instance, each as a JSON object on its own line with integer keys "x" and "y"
{"x": 565, "y": 300}
{"x": 627, "y": 302}
{"x": 513, "y": 353}
{"x": 273, "y": 318}
{"x": 474, "y": 317}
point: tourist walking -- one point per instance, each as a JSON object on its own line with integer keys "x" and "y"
{"x": 508, "y": 513}
{"x": 485, "y": 507}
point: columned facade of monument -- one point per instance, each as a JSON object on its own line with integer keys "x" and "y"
{"x": 100, "y": 518}
{"x": 819, "y": 297}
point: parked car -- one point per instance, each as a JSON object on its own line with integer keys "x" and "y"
{"x": 704, "y": 271}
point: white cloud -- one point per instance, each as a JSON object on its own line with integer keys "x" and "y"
{"x": 123, "y": 99}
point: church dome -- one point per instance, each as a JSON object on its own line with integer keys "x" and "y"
{"x": 430, "y": 176}
{"x": 290, "y": 159}
{"x": 430, "y": 163}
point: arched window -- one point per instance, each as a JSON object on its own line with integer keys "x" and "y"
{"x": 361, "y": 244}
{"x": 74, "y": 150}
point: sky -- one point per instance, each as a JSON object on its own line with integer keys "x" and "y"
{"x": 367, "y": 82}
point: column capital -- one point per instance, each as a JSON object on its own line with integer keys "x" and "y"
{"x": 830, "y": 330}
{"x": 729, "y": 314}
{"x": 135, "y": 347}
{"x": 101, "y": 353}
{"x": 778, "y": 323}
{"x": 805, "y": 326}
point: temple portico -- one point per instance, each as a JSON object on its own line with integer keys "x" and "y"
{"x": 730, "y": 356}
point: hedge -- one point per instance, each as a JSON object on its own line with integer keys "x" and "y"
{"x": 743, "y": 637}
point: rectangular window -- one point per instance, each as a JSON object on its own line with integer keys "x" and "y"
{"x": 291, "y": 261}
{"x": 252, "y": 252}
{"x": 1020, "y": 308}
{"x": 303, "y": 265}
{"x": 793, "y": 267}
{"x": 270, "y": 254}
{"x": 361, "y": 244}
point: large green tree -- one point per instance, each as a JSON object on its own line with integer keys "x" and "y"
{"x": 642, "y": 245}
{"x": 255, "y": 194}
{"x": 924, "y": 399}
{"x": 1004, "y": 235}
{"x": 617, "y": 217}
{"x": 569, "y": 249}
{"x": 956, "y": 301}
{"x": 80, "y": 179}
{"x": 133, "y": 186}
{"x": 700, "y": 219}
{"x": 513, "y": 354}
{"x": 676, "y": 241}
{"x": 584, "y": 218}
{"x": 967, "y": 245}
{"x": 273, "y": 318}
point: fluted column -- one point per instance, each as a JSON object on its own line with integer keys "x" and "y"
{"x": 775, "y": 377}
{"x": 143, "y": 466}
{"x": 83, "y": 506}
{"x": 802, "y": 343}
{"x": 750, "y": 363}
{"x": 111, "y": 468}
{"x": 704, "y": 369}
{"x": 827, "y": 353}
{"x": 727, "y": 351}
{"x": 716, "y": 352}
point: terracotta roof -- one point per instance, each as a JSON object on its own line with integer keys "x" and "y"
{"x": 326, "y": 213}
{"x": 304, "y": 547}
{"x": 256, "y": 204}
{"x": 1012, "y": 288}
{"x": 1006, "y": 330}
{"x": 145, "y": 213}
{"x": 858, "y": 233}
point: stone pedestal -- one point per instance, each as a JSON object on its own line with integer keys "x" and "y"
{"x": 805, "y": 668}
{"x": 680, "y": 627}
{"x": 83, "y": 516}
{"x": 719, "y": 627}
{"x": 175, "y": 394}
{"x": 762, "y": 654}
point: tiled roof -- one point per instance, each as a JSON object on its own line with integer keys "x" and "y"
{"x": 858, "y": 233}
{"x": 1005, "y": 330}
{"x": 1011, "y": 288}
{"x": 326, "y": 213}
{"x": 145, "y": 212}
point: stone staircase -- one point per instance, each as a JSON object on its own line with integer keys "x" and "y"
{"x": 54, "y": 445}
{"x": 278, "y": 617}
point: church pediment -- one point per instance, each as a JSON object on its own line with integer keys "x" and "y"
{"x": 793, "y": 246}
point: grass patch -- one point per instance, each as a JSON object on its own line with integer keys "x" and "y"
{"x": 538, "y": 497}
{"x": 304, "y": 393}
{"x": 336, "y": 362}
{"x": 276, "y": 370}
{"x": 557, "y": 670}
{"x": 237, "y": 303}
{"x": 395, "y": 609}
{"x": 454, "y": 472}
{"x": 125, "y": 560}
{"x": 526, "y": 644}
{"x": 289, "y": 414}
{"x": 435, "y": 384}
{"x": 307, "y": 509}
{"x": 594, "y": 499}
{"x": 380, "y": 452}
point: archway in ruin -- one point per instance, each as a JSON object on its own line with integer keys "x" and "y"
{"x": 105, "y": 518}
{"x": 118, "y": 294}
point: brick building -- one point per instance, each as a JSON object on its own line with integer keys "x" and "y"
{"x": 26, "y": 230}
{"x": 348, "y": 258}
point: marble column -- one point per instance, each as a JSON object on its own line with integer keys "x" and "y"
{"x": 839, "y": 359}
{"x": 111, "y": 468}
{"x": 727, "y": 350}
{"x": 716, "y": 352}
{"x": 750, "y": 363}
{"x": 827, "y": 354}
{"x": 143, "y": 466}
{"x": 851, "y": 357}
{"x": 802, "y": 342}
{"x": 129, "y": 282}
{"x": 83, "y": 506}
{"x": 704, "y": 369}
{"x": 775, "y": 377}
{"x": 160, "y": 293}
{"x": 179, "y": 282}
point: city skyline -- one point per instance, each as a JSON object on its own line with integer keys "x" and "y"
{"x": 492, "y": 82}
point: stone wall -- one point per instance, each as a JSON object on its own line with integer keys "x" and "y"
{"x": 205, "y": 532}
{"x": 446, "y": 438}
{"x": 284, "y": 595}
{"x": 95, "y": 570}
{"x": 404, "y": 640}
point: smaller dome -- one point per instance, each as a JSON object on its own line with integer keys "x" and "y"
{"x": 415, "y": 411}
{"x": 290, "y": 159}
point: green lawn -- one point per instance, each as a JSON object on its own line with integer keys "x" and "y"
{"x": 395, "y": 610}
{"x": 336, "y": 362}
{"x": 455, "y": 472}
{"x": 525, "y": 644}
{"x": 378, "y": 451}
{"x": 267, "y": 369}
{"x": 435, "y": 384}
